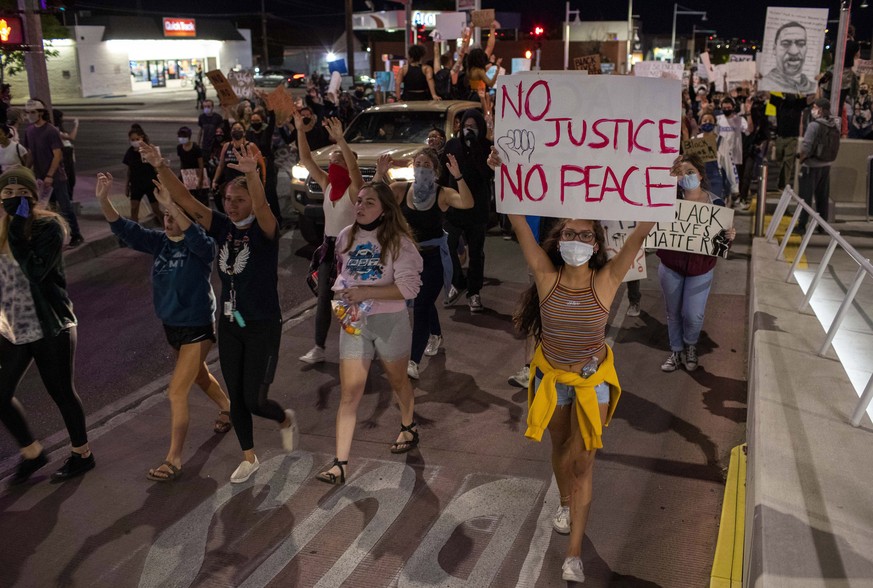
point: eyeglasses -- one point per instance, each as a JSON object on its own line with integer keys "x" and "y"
{"x": 584, "y": 236}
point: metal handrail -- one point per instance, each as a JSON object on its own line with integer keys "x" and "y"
{"x": 865, "y": 268}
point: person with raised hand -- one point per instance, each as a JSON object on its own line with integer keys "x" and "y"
{"x": 184, "y": 301}
{"x": 37, "y": 323}
{"x": 340, "y": 184}
{"x": 250, "y": 325}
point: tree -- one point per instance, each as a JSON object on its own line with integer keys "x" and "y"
{"x": 13, "y": 61}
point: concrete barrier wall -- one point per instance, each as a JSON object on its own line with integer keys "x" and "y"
{"x": 849, "y": 172}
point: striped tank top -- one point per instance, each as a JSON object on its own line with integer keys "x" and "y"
{"x": 574, "y": 323}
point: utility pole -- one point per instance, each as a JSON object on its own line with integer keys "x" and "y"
{"x": 34, "y": 56}
{"x": 265, "y": 56}
{"x": 409, "y": 40}
{"x": 350, "y": 41}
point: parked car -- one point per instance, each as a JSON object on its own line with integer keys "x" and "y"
{"x": 399, "y": 129}
{"x": 271, "y": 78}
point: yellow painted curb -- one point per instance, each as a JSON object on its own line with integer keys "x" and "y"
{"x": 727, "y": 565}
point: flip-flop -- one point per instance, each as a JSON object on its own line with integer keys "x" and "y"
{"x": 220, "y": 425}
{"x": 159, "y": 475}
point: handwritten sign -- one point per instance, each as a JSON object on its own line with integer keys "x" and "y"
{"x": 582, "y": 146}
{"x": 705, "y": 148}
{"x": 696, "y": 228}
{"x": 616, "y": 233}
{"x": 740, "y": 71}
{"x": 863, "y": 67}
{"x": 740, "y": 57}
{"x": 242, "y": 82}
{"x": 658, "y": 69}
{"x": 281, "y": 103}
{"x": 589, "y": 63}
{"x": 482, "y": 18}
{"x": 226, "y": 95}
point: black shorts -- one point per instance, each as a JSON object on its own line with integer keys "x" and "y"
{"x": 140, "y": 192}
{"x": 178, "y": 336}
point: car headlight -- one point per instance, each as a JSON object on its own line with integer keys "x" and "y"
{"x": 404, "y": 174}
{"x": 299, "y": 173}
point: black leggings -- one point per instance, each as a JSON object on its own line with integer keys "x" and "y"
{"x": 54, "y": 359}
{"x": 425, "y": 320}
{"x": 248, "y": 361}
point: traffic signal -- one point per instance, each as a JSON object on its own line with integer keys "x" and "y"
{"x": 11, "y": 32}
{"x": 420, "y": 34}
{"x": 538, "y": 32}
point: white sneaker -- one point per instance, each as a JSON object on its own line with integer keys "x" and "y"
{"x": 633, "y": 310}
{"x": 572, "y": 569}
{"x": 476, "y": 303}
{"x": 290, "y": 434}
{"x": 521, "y": 378}
{"x": 412, "y": 370}
{"x": 673, "y": 362}
{"x": 452, "y": 296}
{"x": 244, "y": 471}
{"x": 314, "y": 355}
{"x": 561, "y": 522}
{"x": 433, "y": 345}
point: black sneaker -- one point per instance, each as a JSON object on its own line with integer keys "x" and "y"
{"x": 75, "y": 465}
{"x": 27, "y": 468}
{"x": 77, "y": 240}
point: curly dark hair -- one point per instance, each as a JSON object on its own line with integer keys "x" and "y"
{"x": 527, "y": 319}
{"x": 416, "y": 52}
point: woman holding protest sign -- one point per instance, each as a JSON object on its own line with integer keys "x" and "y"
{"x": 565, "y": 312}
{"x": 686, "y": 278}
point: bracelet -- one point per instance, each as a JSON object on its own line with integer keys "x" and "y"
{"x": 460, "y": 179}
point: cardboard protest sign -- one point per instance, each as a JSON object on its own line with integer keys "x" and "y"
{"x": 281, "y": 103}
{"x": 226, "y": 95}
{"x": 580, "y": 146}
{"x": 705, "y": 148}
{"x": 482, "y": 18}
{"x": 696, "y": 228}
{"x": 792, "y": 49}
{"x": 242, "y": 82}
{"x": 589, "y": 63}
{"x": 616, "y": 233}
{"x": 658, "y": 69}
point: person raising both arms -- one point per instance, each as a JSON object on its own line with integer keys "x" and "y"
{"x": 416, "y": 79}
{"x": 250, "y": 327}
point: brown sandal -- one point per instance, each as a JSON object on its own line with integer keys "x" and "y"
{"x": 159, "y": 475}
{"x": 220, "y": 425}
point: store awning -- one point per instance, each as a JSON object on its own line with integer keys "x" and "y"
{"x": 136, "y": 28}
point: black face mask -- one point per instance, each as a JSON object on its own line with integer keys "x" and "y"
{"x": 307, "y": 120}
{"x": 470, "y": 135}
{"x": 373, "y": 225}
{"x": 727, "y": 111}
{"x": 10, "y": 205}
{"x": 257, "y": 126}
{"x": 359, "y": 93}
{"x": 237, "y": 135}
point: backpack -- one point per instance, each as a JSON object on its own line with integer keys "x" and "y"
{"x": 442, "y": 82}
{"x": 829, "y": 144}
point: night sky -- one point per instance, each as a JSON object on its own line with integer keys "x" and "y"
{"x": 731, "y": 18}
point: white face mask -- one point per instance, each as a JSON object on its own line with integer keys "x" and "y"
{"x": 136, "y": 144}
{"x": 184, "y": 140}
{"x": 575, "y": 253}
{"x": 32, "y": 117}
{"x": 244, "y": 222}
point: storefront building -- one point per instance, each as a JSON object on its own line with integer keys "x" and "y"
{"x": 123, "y": 55}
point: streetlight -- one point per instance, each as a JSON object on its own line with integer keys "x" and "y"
{"x": 694, "y": 31}
{"x": 684, "y": 11}
{"x": 568, "y": 13}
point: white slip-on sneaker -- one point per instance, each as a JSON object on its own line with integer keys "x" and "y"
{"x": 561, "y": 522}
{"x": 244, "y": 471}
{"x": 521, "y": 378}
{"x": 290, "y": 434}
{"x": 452, "y": 296}
{"x": 412, "y": 370}
{"x": 572, "y": 570}
{"x": 433, "y": 345}
{"x": 314, "y": 355}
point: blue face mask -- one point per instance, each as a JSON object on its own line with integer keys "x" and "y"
{"x": 689, "y": 182}
{"x": 707, "y": 127}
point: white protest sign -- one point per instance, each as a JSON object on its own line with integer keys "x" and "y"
{"x": 740, "y": 71}
{"x": 242, "y": 82}
{"x": 451, "y": 25}
{"x": 739, "y": 57}
{"x": 792, "y": 49}
{"x": 863, "y": 67}
{"x": 616, "y": 233}
{"x": 658, "y": 69}
{"x": 707, "y": 63}
{"x": 697, "y": 228}
{"x": 720, "y": 71}
{"x": 579, "y": 146}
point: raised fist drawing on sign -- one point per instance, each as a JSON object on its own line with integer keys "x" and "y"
{"x": 517, "y": 145}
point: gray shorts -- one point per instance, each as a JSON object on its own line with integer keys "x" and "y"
{"x": 387, "y": 335}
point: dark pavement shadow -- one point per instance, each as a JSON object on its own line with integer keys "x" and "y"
{"x": 721, "y": 392}
{"x": 598, "y": 573}
{"x": 488, "y": 318}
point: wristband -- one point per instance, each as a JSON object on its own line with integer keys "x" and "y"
{"x": 460, "y": 179}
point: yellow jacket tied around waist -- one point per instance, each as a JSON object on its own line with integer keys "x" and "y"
{"x": 542, "y": 402}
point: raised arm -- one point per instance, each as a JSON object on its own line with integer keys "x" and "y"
{"x": 334, "y": 128}
{"x": 197, "y": 241}
{"x": 492, "y": 38}
{"x": 462, "y": 198}
{"x": 428, "y": 74}
{"x": 624, "y": 259}
{"x": 104, "y": 186}
{"x": 247, "y": 163}
{"x": 180, "y": 194}
{"x": 305, "y": 154}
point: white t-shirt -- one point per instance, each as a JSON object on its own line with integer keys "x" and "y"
{"x": 12, "y": 155}
{"x": 337, "y": 215}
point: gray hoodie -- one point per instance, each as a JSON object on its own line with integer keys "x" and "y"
{"x": 815, "y": 136}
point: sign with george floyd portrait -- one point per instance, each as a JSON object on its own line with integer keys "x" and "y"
{"x": 580, "y": 146}
{"x": 792, "y": 49}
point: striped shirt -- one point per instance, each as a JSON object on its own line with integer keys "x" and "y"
{"x": 574, "y": 323}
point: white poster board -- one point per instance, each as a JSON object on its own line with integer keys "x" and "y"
{"x": 242, "y": 82}
{"x": 616, "y": 233}
{"x": 450, "y": 26}
{"x": 697, "y": 228}
{"x": 741, "y": 71}
{"x": 659, "y": 69}
{"x": 707, "y": 64}
{"x": 740, "y": 57}
{"x": 579, "y": 146}
{"x": 792, "y": 49}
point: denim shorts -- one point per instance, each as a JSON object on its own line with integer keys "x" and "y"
{"x": 387, "y": 335}
{"x": 567, "y": 394}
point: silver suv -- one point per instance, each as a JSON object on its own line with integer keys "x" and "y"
{"x": 399, "y": 129}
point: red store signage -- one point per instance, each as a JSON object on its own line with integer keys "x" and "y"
{"x": 179, "y": 27}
